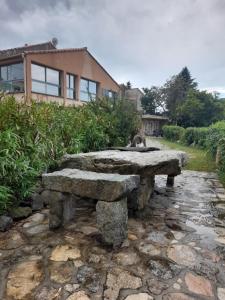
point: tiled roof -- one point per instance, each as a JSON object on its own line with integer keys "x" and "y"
{"x": 16, "y": 51}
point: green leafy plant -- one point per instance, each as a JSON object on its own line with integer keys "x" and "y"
{"x": 34, "y": 138}
{"x": 5, "y": 198}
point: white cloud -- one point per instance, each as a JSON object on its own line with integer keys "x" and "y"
{"x": 145, "y": 41}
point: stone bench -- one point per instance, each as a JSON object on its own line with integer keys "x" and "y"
{"x": 144, "y": 164}
{"x": 110, "y": 190}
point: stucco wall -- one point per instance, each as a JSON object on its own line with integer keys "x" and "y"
{"x": 79, "y": 63}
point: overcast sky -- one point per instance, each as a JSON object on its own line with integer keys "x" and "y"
{"x": 144, "y": 41}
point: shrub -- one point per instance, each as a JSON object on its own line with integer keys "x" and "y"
{"x": 173, "y": 133}
{"x": 216, "y": 133}
{"x": 33, "y": 138}
{"x": 5, "y": 198}
{"x": 195, "y": 136}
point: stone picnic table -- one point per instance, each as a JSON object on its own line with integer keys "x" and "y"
{"x": 117, "y": 179}
{"x": 145, "y": 164}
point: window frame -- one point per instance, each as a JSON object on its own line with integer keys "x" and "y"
{"x": 12, "y": 82}
{"x": 89, "y": 95}
{"x": 106, "y": 94}
{"x": 68, "y": 88}
{"x": 47, "y": 83}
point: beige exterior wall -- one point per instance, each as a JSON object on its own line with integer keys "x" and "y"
{"x": 79, "y": 63}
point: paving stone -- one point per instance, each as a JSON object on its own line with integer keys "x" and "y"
{"x": 198, "y": 285}
{"x": 90, "y": 278}
{"x": 94, "y": 258}
{"x": 156, "y": 287}
{"x": 119, "y": 279}
{"x": 176, "y": 286}
{"x": 88, "y": 230}
{"x": 65, "y": 252}
{"x": 81, "y": 295}
{"x": 183, "y": 255}
{"x": 132, "y": 237}
{"x": 148, "y": 249}
{"x": 71, "y": 287}
{"x": 178, "y": 235}
{"x": 140, "y": 296}
{"x": 11, "y": 240}
{"x": 158, "y": 237}
{"x": 78, "y": 263}
{"x": 36, "y": 218}
{"x": 61, "y": 272}
{"x": 128, "y": 258}
{"x": 221, "y": 293}
{"x": 24, "y": 278}
{"x": 49, "y": 293}
{"x": 178, "y": 296}
{"x": 220, "y": 240}
{"x": 37, "y": 229}
{"x": 163, "y": 268}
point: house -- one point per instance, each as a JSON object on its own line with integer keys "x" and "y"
{"x": 152, "y": 124}
{"x": 44, "y": 73}
{"x": 133, "y": 95}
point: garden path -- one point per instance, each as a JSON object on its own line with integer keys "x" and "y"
{"x": 175, "y": 250}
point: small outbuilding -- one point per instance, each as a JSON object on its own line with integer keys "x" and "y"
{"x": 152, "y": 124}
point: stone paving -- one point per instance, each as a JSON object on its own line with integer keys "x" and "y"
{"x": 175, "y": 251}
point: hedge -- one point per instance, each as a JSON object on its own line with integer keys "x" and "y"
{"x": 173, "y": 133}
{"x": 33, "y": 138}
{"x": 208, "y": 138}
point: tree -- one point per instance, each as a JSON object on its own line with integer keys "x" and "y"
{"x": 153, "y": 100}
{"x": 148, "y": 101}
{"x": 199, "y": 110}
{"x": 176, "y": 90}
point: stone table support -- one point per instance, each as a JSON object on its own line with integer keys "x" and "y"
{"x": 112, "y": 221}
{"x": 110, "y": 190}
{"x": 170, "y": 180}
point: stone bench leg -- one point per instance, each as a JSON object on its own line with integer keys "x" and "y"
{"x": 170, "y": 180}
{"x": 112, "y": 221}
{"x": 139, "y": 198}
{"x": 62, "y": 209}
{"x": 56, "y": 210}
{"x": 146, "y": 190}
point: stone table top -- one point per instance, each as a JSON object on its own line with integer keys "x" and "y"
{"x": 168, "y": 162}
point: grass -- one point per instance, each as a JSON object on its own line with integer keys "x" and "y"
{"x": 199, "y": 159}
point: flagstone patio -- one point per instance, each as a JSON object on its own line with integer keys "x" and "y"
{"x": 175, "y": 250}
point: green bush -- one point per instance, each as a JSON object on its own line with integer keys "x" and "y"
{"x": 173, "y": 133}
{"x": 216, "y": 133}
{"x": 33, "y": 138}
{"x": 195, "y": 136}
{"x": 208, "y": 138}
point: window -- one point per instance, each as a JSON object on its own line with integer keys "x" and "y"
{"x": 12, "y": 78}
{"x": 88, "y": 90}
{"x": 45, "y": 80}
{"x": 109, "y": 94}
{"x": 70, "y": 86}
